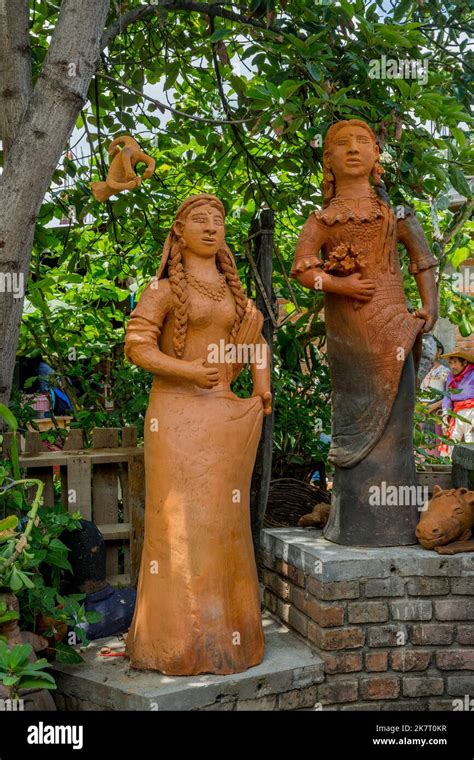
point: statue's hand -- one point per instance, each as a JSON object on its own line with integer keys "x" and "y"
{"x": 429, "y": 315}
{"x": 266, "y": 401}
{"x": 202, "y": 375}
{"x": 354, "y": 286}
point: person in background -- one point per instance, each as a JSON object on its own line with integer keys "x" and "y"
{"x": 460, "y": 399}
{"x": 435, "y": 380}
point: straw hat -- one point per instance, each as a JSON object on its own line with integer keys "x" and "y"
{"x": 469, "y": 357}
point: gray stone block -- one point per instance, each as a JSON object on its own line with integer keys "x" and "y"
{"x": 368, "y": 612}
{"x": 454, "y": 609}
{"x": 309, "y": 551}
{"x": 423, "y": 686}
{"x": 385, "y": 587}
{"x": 463, "y": 466}
{"x": 459, "y": 686}
{"x": 110, "y": 684}
{"x": 412, "y": 609}
{"x": 391, "y": 635}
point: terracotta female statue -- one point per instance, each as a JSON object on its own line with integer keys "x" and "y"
{"x": 349, "y": 250}
{"x": 198, "y": 608}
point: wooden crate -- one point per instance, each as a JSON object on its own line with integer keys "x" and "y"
{"x": 439, "y": 475}
{"x": 105, "y": 483}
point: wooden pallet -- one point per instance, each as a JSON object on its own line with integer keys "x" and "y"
{"x": 105, "y": 483}
{"x": 440, "y": 476}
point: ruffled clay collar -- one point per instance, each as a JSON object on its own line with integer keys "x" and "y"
{"x": 345, "y": 209}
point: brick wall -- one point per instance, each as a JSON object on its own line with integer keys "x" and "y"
{"x": 387, "y": 643}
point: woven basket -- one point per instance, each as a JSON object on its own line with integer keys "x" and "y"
{"x": 290, "y": 499}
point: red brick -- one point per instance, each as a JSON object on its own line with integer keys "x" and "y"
{"x": 283, "y": 610}
{"x": 294, "y": 574}
{"x": 343, "y": 663}
{"x": 466, "y": 634}
{"x": 368, "y": 612}
{"x": 326, "y": 615}
{"x": 376, "y": 661}
{"x": 266, "y": 559}
{"x": 270, "y": 600}
{"x": 298, "y": 621}
{"x": 380, "y": 687}
{"x": 428, "y": 586}
{"x": 422, "y": 687}
{"x": 432, "y": 634}
{"x": 462, "y": 585}
{"x": 410, "y": 659}
{"x": 337, "y": 692}
{"x": 387, "y": 635}
{"x": 334, "y": 591}
{"x": 330, "y": 639}
{"x": 454, "y": 609}
{"x": 455, "y": 659}
{"x": 279, "y": 586}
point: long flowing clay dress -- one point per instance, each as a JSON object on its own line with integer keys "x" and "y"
{"x": 369, "y": 351}
{"x": 198, "y": 605}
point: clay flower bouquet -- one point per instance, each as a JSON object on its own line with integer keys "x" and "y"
{"x": 344, "y": 260}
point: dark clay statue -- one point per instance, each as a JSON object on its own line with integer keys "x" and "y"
{"x": 348, "y": 249}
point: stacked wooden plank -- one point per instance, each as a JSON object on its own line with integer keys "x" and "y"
{"x": 105, "y": 483}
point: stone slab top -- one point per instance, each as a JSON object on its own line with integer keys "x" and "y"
{"x": 306, "y": 549}
{"x": 111, "y": 684}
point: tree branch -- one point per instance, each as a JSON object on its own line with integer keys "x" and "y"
{"x": 15, "y": 67}
{"x": 160, "y": 104}
{"x": 463, "y": 214}
{"x": 146, "y": 11}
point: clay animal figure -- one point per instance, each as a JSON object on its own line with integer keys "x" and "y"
{"x": 317, "y": 518}
{"x": 34, "y": 699}
{"x": 121, "y": 175}
{"x": 447, "y": 523}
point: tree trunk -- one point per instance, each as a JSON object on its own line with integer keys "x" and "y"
{"x": 53, "y": 107}
{"x": 15, "y": 68}
{"x": 263, "y": 463}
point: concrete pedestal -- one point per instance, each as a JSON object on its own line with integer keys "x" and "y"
{"x": 463, "y": 466}
{"x": 287, "y": 679}
{"x": 394, "y": 626}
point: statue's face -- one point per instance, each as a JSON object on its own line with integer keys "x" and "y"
{"x": 351, "y": 153}
{"x": 203, "y": 230}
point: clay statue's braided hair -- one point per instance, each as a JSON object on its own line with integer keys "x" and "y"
{"x": 225, "y": 264}
{"x": 329, "y": 181}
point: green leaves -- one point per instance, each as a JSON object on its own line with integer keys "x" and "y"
{"x": 67, "y": 654}
{"x": 8, "y": 417}
{"x": 9, "y": 523}
{"x": 19, "y": 580}
{"x": 17, "y": 672}
{"x": 459, "y": 182}
{"x": 218, "y": 35}
{"x": 7, "y": 615}
{"x": 289, "y": 86}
